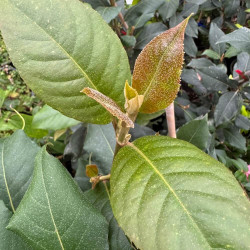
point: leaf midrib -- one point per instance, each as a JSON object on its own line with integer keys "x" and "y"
{"x": 50, "y": 211}
{"x": 227, "y": 105}
{"x": 5, "y": 180}
{"x": 106, "y": 140}
{"x": 60, "y": 47}
{"x": 160, "y": 62}
{"x": 170, "y": 189}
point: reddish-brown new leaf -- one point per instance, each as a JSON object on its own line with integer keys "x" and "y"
{"x": 158, "y": 68}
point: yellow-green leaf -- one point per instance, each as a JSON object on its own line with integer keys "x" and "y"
{"x": 158, "y": 68}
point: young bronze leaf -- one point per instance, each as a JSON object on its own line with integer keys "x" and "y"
{"x": 109, "y": 105}
{"x": 158, "y": 68}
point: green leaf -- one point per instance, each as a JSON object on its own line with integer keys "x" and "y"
{"x": 212, "y": 54}
{"x": 215, "y": 33}
{"x": 158, "y": 67}
{"x": 213, "y": 78}
{"x": 100, "y": 141}
{"x": 195, "y": 132}
{"x": 142, "y": 12}
{"x": 234, "y": 138}
{"x": 242, "y": 122}
{"x": 128, "y": 41}
{"x": 144, "y": 119}
{"x": 100, "y": 199}
{"x": 227, "y": 107}
{"x": 240, "y": 39}
{"x": 16, "y": 167}
{"x": 240, "y": 164}
{"x": 168, "y": 9}
{"x": 243, "y": 63}
{"x": 196, "y": 1}
{"x": 97, "y": 3}
{"x": 147, "y": 33}
{"x": 189, "y": 8}
{"x": 231, "y": 7}
{"x": 108, "y": 13}
{"x": 15, "y": 122}
{"x": 231, "y": 52}
{"x": 184, "y": 199}
{"x": 200, "y": 63}
{"x": 9, "y": 240}
{"x": 60, "y": 47}
{"x": 3, "y": 95}
{"x": 189, "y": 46}
{"x": 51, "y": 119}
{"x": 54, "y": 214}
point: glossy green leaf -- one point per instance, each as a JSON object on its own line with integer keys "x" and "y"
{"x": 240, "y": 39}
{"x": 97, "y": 3}
{"x": 242, "y": 122}
{"x": 100, "y": 199}
{"x": 158, "y": 67}
{"x": 60, "y": 47}
{"x": 189, "y": 46}
{"x": 16, "y": 167}
{"x": 234, "y": 138}
{"x": 195, "y": 132}
{"x": 128, "y": 41}
{"x": 213, "y": 78}
{"x": 200, "y": 63}
{"x": 168, "y": 9}
{"x": 54, "y": 214}
{"x": 231, "y": 52}
{"x": 8, "y": 239}
{"x": 51, "y": 119}
{"x": 189, "y": 8}
{"x": 100, "y": 142}
{"x": 148, "y": 32}
{"x": 184, "y": 198}
{"x": 212, "y": 54}
{"x": 108, "y": 13}
{"x": 196, "y": 1}
{"x": 142, "y": 12}
{"x": 230, "y": 7}
{"x": 227, "y": 107}
{"x": 243, "y": 63}
{"x": 215, "y": 33}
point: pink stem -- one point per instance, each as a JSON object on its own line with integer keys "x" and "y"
{"x": 171, "y": 120}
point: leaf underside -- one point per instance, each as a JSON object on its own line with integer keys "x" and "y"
{"x": 60, "y": 47}
{"x": 184, "y": 199}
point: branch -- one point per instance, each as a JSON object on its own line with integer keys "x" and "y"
{"x": 120, "y": 15}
